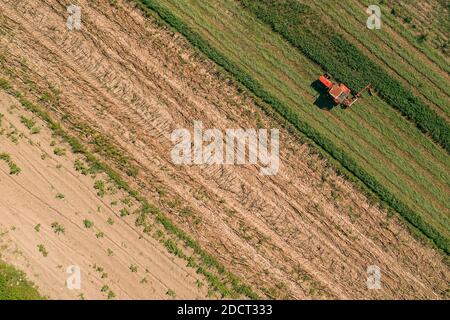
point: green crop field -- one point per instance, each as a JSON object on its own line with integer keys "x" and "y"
{"x": 394, "y": 142}
{"x": 406, "y": 63}
{"x": 303, "y": 28}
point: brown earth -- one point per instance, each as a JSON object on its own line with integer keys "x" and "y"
{"x": 104, "y": 252}
{"x": 303, "y": 233}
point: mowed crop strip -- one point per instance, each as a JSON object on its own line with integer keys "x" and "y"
{"x": 371, "y": 141}
{"x": 304, "y": 29}
{"x": 392, "y": 51}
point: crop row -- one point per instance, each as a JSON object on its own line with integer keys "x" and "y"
{"x": 407, "y": 32}
{"x": 299, "y": 25}
{"x": 14, "y": 284}
{"x": 291, "y": 116}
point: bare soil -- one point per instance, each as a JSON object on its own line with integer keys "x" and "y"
{"x": 48, "y": 189}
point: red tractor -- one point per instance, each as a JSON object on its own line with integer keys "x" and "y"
{"x": 340, "y": 93}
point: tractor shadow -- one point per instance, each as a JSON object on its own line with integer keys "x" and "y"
{"x": 323, "y": 100}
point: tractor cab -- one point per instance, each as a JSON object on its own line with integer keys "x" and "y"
{"x": 340, "y": 93}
